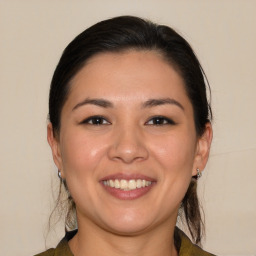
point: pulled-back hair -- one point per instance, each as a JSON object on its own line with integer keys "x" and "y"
{"x": 132, "y": 33}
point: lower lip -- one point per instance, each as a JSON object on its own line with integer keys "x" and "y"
{"x": 128, "y": 195}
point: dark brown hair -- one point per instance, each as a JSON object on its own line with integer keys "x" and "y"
{"x": 125, "y": 33}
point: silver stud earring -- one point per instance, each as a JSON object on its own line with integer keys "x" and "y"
{"x": 199, "y": 174}
{"x": 59, "y": 174}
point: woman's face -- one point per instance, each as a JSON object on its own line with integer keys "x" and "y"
{"x": 127, "y": 145}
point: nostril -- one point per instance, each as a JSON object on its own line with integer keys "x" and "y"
{"x": 128, "y": 152}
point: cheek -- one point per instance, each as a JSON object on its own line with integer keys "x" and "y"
{"x": 82, "y": 157}
{"x": 175, "y": 156}
{"x": 175, "y": 152}
{"x": 80, "y": 153}
{"x": 176, "y": 159}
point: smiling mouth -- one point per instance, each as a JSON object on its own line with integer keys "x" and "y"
{"x": 127, "y": 185}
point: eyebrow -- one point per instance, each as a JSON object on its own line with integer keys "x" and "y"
{"x": 162, "y": 101}
{"x": 147, "y": 104}
{"x": 98, "y": 102}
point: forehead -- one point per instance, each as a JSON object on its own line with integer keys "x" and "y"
{"x": 128, "y": 73}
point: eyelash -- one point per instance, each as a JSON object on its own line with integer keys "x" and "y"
{"x": 100, "y": 120}
{"x": 163, "y": 121}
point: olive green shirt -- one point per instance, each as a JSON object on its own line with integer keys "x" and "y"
{"x": 187, "y": 248}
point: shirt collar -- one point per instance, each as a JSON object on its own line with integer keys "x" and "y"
{"x": 187, "y": 248}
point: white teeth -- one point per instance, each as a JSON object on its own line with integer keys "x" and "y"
{"x": 148, "y": 183}
{"x": 127, "y": 184}
{"x": 123, "y": 184}
{"x": 117, "y": 184}
{"x": 132, "y": 184}
{"x": 139, "y": 184}
{"x": 112, "y": 183}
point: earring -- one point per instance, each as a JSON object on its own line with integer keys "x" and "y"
{"x": 59, "y": 174}
{"x": 199, "y": 174}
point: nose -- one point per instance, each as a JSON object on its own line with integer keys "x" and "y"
{"x": 128, "y": 146}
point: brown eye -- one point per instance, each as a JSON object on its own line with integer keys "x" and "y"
{"x": 160, "y": 120}
{"x": 96, "y": 120}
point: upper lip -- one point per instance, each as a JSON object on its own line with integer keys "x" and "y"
{"x": 126, "y": 176}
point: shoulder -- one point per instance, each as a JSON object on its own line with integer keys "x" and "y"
{"x": 49, "y": 252}
{"x": 187, "y": 248}
{"x": 62, "y": 248}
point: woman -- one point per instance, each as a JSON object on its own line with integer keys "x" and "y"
{"x": 130, "y": 134}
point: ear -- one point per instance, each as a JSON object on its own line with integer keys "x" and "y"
{"x": 55, "y": 146}
{"x": 203, "y": 149}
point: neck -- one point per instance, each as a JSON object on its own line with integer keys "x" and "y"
{"x": 93, "y": 240}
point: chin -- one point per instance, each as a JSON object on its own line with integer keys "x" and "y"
{"x": 127, "y": 229}
{"x": 127, "y": 224}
